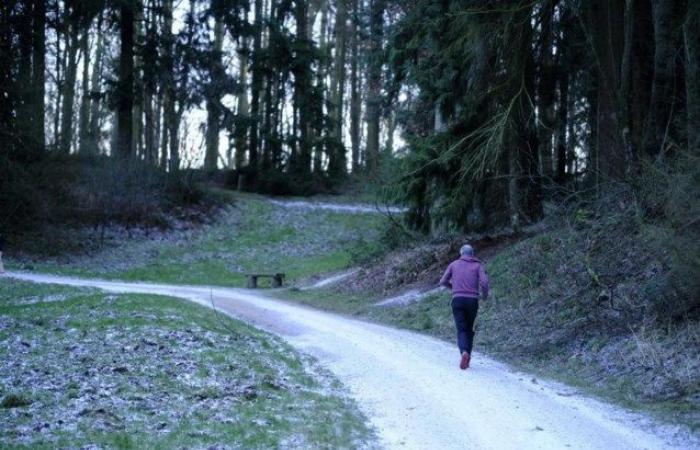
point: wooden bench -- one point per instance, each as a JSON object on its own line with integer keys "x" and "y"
{"x": 277, "y": 279}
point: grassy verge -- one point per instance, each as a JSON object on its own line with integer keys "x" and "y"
{"x": 84, "y": 368}
{"x": 251, "y": 235}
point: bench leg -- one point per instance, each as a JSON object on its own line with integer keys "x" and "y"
{"x": 252, "y": 282}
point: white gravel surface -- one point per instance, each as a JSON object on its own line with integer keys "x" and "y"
{"x": 331, "y": 280}
{"x": 338, "y": 207}
{"x": 410, "y": 387}
{"x": 411, "y": 296}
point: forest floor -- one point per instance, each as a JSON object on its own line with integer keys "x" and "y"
{"x": 81, "y": 367}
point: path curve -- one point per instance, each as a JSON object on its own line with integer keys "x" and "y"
{"x": 355, "y": 208}
{"x": 411, "y": 389}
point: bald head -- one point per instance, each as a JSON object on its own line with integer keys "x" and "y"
{"x": 466, "y": 250}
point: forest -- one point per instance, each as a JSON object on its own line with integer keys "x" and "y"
{"x": 159, "y": 158}
{"x": 471, "y": 113}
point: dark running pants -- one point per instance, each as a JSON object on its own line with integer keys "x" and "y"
{"x": 464, "y": 310}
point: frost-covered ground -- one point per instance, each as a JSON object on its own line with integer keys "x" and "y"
{"x": 252, "y": 234}
{"x": 409, "y": 384}
{"x": 81, "y": 368}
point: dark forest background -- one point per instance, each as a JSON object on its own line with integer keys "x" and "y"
{"x": 471, "y": 113}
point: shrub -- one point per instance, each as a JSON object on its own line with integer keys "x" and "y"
{"x": 90, "y": 190}
{"x": 670, "y": 196}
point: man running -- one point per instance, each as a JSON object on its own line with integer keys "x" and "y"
{"x": 465, "y": 276}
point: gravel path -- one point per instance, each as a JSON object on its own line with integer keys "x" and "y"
{"x": 338, "y": 207}
{"x": 410, "y": 386}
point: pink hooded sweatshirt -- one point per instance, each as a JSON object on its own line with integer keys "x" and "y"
{"x": 466, "y": 275}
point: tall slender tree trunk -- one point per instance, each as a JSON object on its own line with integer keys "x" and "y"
{"x": 256, "y": 86}
{"x": 315, "y": 131}
{"x": 560, "y": 132}
{"x": 59, "y": 83}
{"x": 691, "y": 35}
{"x": 301, "y": 161}
{"x": 149, "y": 87}
{"x": 523, "y": 158}
{"x": 338, "y": 160}
{"x": 662, "y": 91}
{"x": 38, "y": 73}
{"x": 95, "y": 94}
{"x": 72, "y": 46}
{"x": 125, "y": 88}
{"x": 84, "y": 112}
{"x": 241, "y": 131}
{"x": 374, "y": 83}
{"x": 571, "y": 132}
{"x": 25, "y": 91}
{"x": 390, "y": 130}
{"x": 529, "y": 155}
{"x": 213, "y": 99}
{"x": 606, "y": 24}
{"x": 355, "y": 99}
{"x": 6, "y": 72}
{"x": 547, "y": 89}
{"x": 168, "y": 87}
{"x": 636, "y": 79}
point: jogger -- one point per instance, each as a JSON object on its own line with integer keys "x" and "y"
{"x": 464, "y": 310}
{"x": 467, "y": 279}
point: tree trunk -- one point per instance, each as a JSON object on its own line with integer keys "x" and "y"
{"x": 355, "y": 99}
{"x": 337, "y": 161}
{"x": 84, "y": 112}
{"x": 6, "y": 74}
{"x": 95, "y": 94}
{"x": 38, "y": 73}
{"x": 606, "y": 24}
{"x": 572, "y": 140}
{"x": 213, "y": 99}
{"x": 524, "y": 165}
{"x": 691, "y": 34}
{"x": 256, "y": 86}
{"x": 390, "y": 130}
{"x": 59, "y": 87}
{"x": 636, "y": 79}
{"x": 149, "y": 87}
{"x": 168, "y": 87}
{"x": 374, "y": 83}
{"x": 125, "y": 86}
{"x": 560, "y": 132}
{"x": 547, "y": 89}
{"x": 23, "y": 86}
{"x": 300, "y": 160}
{"x": 662, "y": 91}
{"x": 316, "y": 131}
{"x": 243, "y": 107}
{"x": 72, "y": 46}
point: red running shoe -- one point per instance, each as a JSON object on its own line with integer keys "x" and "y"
{"x": 464, "y": 363}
